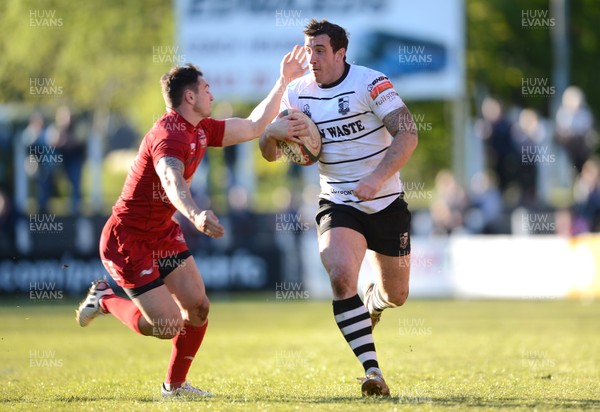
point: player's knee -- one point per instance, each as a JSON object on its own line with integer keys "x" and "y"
{"x": 199, "y": 310}
{"x": 337, "y": 269}
{"x": 342, "y": 286}
{"x": 341, "y": 274}
{"x": 204, "y": 308}
{"x": 397, "y": 297}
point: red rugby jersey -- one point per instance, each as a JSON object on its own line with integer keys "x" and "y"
{"x": 143, "y": 204}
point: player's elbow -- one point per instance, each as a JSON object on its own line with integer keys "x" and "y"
{"x": 268, "y": 150}
{"x": 269, "y": 157}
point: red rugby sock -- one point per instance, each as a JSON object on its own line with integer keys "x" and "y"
{"x": 124, "y": 310}
{"x": 185, "y": 346}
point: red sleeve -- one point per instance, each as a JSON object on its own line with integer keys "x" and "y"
{"x": 215, "y": 130}
{"x": 170, "y": 145}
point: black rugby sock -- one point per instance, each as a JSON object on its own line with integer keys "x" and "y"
{"x": 354, "y": 322}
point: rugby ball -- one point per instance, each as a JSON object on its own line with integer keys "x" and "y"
{"x": 309, "y": 151}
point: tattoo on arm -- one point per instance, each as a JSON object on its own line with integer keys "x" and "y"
{"x": 391, "y": 121}
{"x": 399, "y": 121}
{"x": 170, "y": 172}
{"x": 173, "y": 163}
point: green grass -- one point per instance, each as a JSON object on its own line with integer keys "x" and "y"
{"x": 283, "y": 356}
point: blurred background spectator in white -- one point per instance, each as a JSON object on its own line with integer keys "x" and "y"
{"x": 574, "y": 127}
{"x": 448, "y": 204}
{"x": 485, "y": 211}
{"x": 529, "y": 135}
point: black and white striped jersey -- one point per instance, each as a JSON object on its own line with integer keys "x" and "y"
{"x": 349, "y": 116}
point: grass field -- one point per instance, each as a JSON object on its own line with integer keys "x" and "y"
{"x": 283, "y": 356}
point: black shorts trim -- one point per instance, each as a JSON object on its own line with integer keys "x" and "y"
{"x": 165, "y": 267}
{"x": 169, "y": 264}
{"x": 135, "y": 292}
{"x": 386, "y": 232}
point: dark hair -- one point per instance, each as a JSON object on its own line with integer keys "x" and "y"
{"x": 175, "y": 82}
{"x": 338, "y": 37}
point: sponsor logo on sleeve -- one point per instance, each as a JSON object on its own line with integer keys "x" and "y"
{"x": 386, "y": 97}
{"x": 378, "y": 86}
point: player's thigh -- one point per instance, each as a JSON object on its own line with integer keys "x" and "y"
{"x": 392, "y": 274}
{"x": 187, "y": 289}
{"x": 159, "y": 308}
{"x": 342, "y": 251}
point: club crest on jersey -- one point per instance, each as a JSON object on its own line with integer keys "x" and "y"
{"x": 343, "y": 105}
{"x": 306, "y": 110}
{"x": 201, "y": 140}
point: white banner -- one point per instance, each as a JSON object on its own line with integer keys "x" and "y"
{"x": 239, "y": 44}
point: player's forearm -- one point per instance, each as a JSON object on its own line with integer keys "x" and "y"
{"x": 170, "y": 172}
{"x": 397, "y": 155}
{"x": 268, "y": 145}
{"x": 266, "y": 110}
{"x": 180, "y": 197}
{"x": 400, "y": 124}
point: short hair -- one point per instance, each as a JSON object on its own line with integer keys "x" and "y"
{"x": 176, "y": 81}
{"x": 338, "y": 37}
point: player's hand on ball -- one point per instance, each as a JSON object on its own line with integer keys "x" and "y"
{"x": 287, "y": 128}
{"x": 208, "y": 223}
{"x": 367, "y": 188}
{"x": 293, "y": 64}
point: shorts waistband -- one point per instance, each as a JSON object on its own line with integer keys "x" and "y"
{"x": 142, "y": 234}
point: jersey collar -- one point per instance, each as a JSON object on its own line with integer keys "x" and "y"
{"x": 338, "y": 81}
{"x": 188, "y": 126}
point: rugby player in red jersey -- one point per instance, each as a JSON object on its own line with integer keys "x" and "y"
{"x": 143, "y": 248}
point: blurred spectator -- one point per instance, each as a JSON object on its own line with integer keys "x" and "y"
{"x": 35, "y": 138}
{"x": 574, "y": 127}
{"x": 495, "y": 130}
{"x": 485, "y": 212}
{"x": 70, "y": 142}
{"x": 586, "y": 193}
{"x": 448, "y": 204}
{"x": 529, "y": 134}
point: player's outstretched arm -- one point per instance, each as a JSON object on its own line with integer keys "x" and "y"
{"x": 238, "y": 130}
{"x": 401, "y": 126}
{"x": 170, "y": 171}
